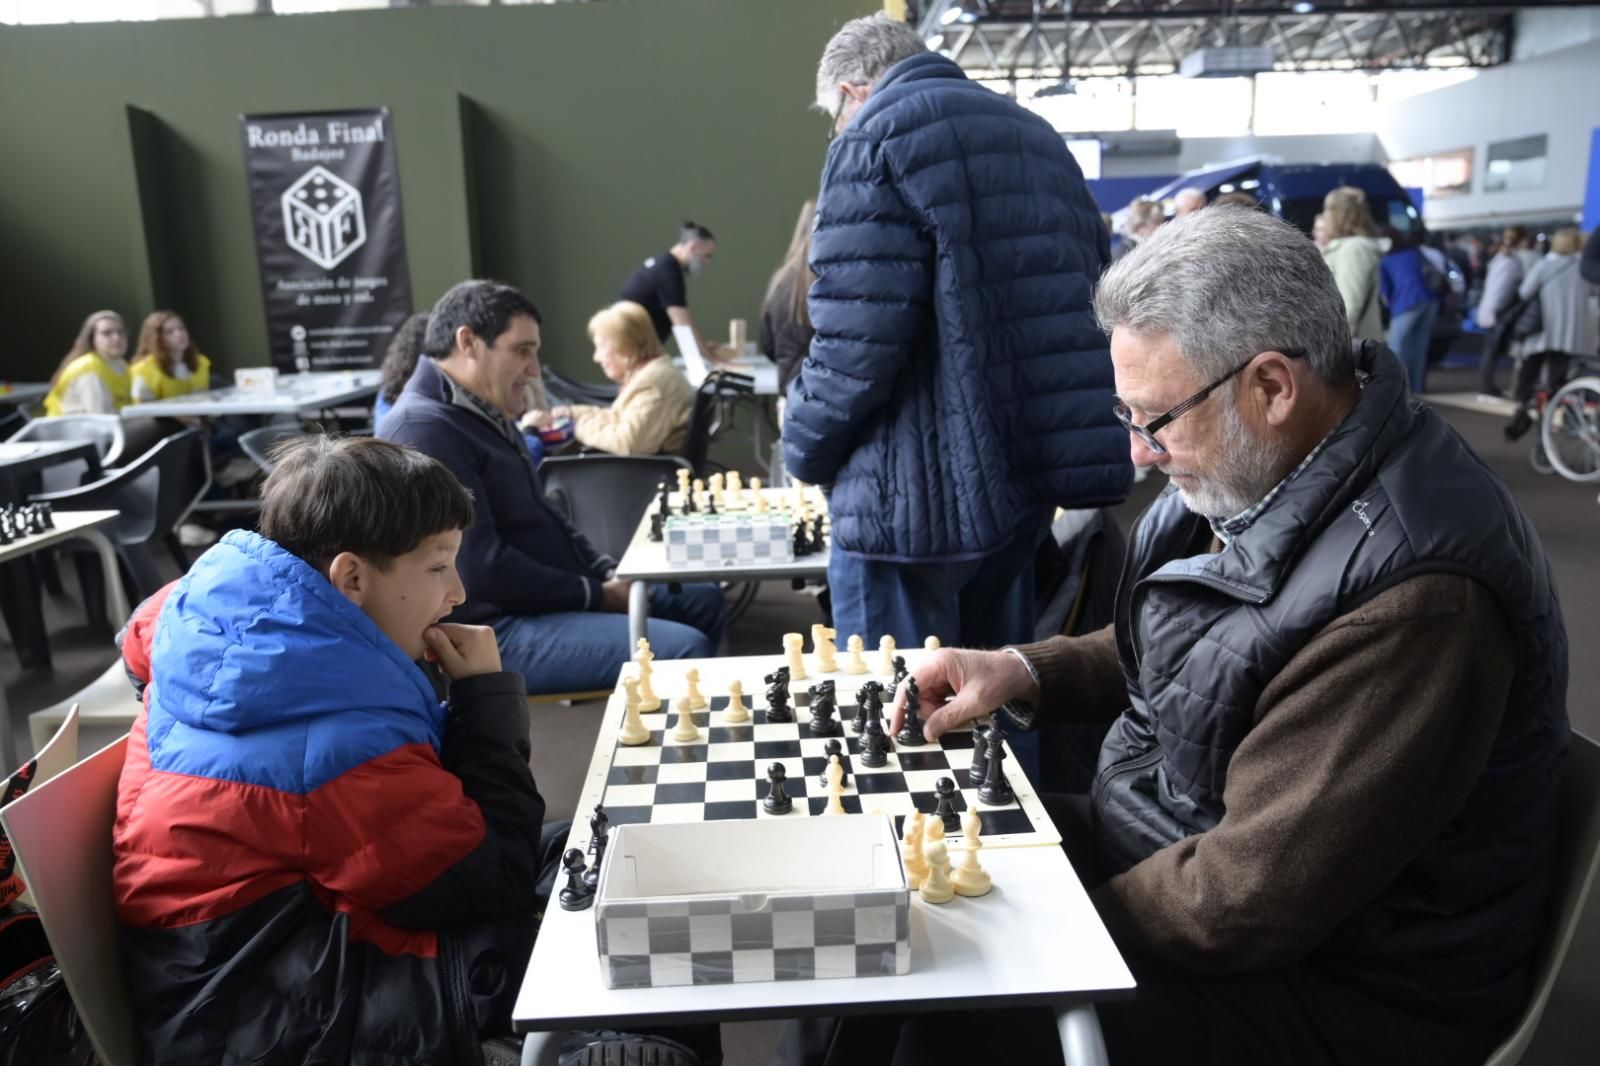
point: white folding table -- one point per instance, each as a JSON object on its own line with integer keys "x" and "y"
{"x": 295, "y": 394}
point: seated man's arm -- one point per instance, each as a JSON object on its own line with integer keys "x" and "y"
{"x": 1366, "y": 746}
{"x": 874, "y": 265}
{"x": 1080, "y": 678}
{"x": 431, "y": 844}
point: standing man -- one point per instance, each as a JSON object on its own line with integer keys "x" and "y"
{"x": 958, "y": 387}
{"x": 658, "y": 286}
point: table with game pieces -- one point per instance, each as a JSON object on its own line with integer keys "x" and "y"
{"x": 1033, "y": 940}
{"x": 646, "y": 557}
{"x": 57, "y": 527}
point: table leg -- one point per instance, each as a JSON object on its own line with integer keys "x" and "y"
{"x": 1081, "y": 1041}
{"x": 23, "y": 608}
{"x": 117, "y": 608}
{"x": 638, "y": 612}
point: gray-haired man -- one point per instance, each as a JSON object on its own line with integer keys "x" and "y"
{"x": 1323, "y": 821}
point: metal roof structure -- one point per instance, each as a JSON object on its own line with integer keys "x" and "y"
{"x": 1014, "y": 39}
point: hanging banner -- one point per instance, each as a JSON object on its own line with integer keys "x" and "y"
{"x": 325, "y": 206}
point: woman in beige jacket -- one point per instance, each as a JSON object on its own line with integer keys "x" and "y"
{"x": 651, "y": 412}
{"x": 1352, "y": 254}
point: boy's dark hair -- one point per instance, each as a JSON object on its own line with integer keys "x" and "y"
{"x": 485, "y": 307}
{"x": 329, "y": 494}
{"x": 692, "y": 231}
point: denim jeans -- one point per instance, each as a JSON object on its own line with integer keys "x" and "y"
{"x": 579, "y": 651}
{"x": 1409, "y": 334}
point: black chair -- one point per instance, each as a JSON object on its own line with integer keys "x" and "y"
{"x": 719, "y": 387}
{"x": 258, "y": 443}
{"x": 152, "y": 494}
{"x": 104, "y": 431}
{"x": 604, "y": 496}
{"x": 562, "y": 389}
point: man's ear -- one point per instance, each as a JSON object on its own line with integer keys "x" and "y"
{"x": 348, "y": 574}
{"x": 1273, "y": 387}
{"x": 464, "y": 338}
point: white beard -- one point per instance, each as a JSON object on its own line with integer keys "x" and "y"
{"x": 1249, "y": 468}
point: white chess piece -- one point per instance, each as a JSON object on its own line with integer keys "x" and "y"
{"x": 715, "y": 483}
{"x": 886, "y": 646}
{"x": 936, "y": 887}
{"x": 683, "y": 487}
{"x": 794, "y": 652}
{"x": 685, "y": 731}
{"x": 911, "y": 849}
{"x": 634, "y": 732}
{"x": 932, "y": 644}
{"x": 648, "y": 700}
{"x": 736, "y": 484}
{"x": 760, "y": 499}
{"x": 700, "y": 494}
{"x": 822, "y": 647}
{"x": 855, "y": 664}
{"x": 835, "y": 786}
{"x": 693, "y": 698}
{"x": 933, "y": 831}
{"x": 738, "y": 709}
{"x": 970, "y": 879}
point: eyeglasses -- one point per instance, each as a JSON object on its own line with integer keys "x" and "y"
{"x": 1147, "y": 433}
{"x": 833, "y": 130}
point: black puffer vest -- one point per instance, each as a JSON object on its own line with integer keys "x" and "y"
{"x": 1394, "y": 493}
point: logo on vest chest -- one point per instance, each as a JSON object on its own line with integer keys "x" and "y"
{"x": 1360, "y": 508}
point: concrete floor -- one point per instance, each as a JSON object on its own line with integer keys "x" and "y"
{"x": 1566, "y": 516}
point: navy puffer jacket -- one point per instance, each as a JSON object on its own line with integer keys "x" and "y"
{"x": 958, "y": 385}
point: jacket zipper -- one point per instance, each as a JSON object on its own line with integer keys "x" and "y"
{"x": 1111, "y": 773}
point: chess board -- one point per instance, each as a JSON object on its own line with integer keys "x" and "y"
{"x": 723, "y": 774}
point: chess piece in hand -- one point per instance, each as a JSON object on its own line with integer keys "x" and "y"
{"x": 958, "y": 685}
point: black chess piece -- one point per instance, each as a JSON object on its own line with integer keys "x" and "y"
{"x": 911, "y": 729}
{"x": 866, "y": 695}
{"x": 832, "y": 748}
{"x": 6, "y": 534}
{"x": 778, "y": 696}
{"x": 996, "y": 790}
{"x": 822, "y": 703}
{"x": 777, "y": 801}
{"x": 599, "y": 837}
{"x": 900, "y": 671}
{"x": 576, "y": 896}
{"x": 49, "y": 511}
{"x": 946, "y": 810}
{"x": 802, "y": 543}
{"x": 657, "y": 528}
{"x": 874, "y": 744}
{"x": 711, "y": 505}
{"x": 980, "y": 756}
{"x": 816, "y": 533}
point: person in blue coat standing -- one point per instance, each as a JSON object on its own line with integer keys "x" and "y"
{"x": 958, "y": 387}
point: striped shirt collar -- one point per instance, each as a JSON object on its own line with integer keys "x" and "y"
{"x": 1229, "y": 530}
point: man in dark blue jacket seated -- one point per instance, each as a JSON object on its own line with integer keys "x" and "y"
{"x": 958, "y": 388}
{"x": 560, "y": 618}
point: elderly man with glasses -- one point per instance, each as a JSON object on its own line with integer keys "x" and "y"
{"x": 1322, "y": 826}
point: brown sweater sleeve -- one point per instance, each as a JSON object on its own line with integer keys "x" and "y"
{"x": 1365, "y": 746}
{"x": 1080, "y": 678}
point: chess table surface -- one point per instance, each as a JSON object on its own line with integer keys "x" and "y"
{"x": 1034, "y": 940}
{"x": 646, "y": 560}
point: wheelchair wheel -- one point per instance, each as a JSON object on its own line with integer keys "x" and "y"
{"x": 1540, "y": 459}
{"x": 1570, "y": 430}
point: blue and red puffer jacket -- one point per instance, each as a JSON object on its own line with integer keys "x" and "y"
{"x": 316, "y": 861}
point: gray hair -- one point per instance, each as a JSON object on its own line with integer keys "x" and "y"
{"x": 1226, "y": 285}
{"x": 860, "y": 53}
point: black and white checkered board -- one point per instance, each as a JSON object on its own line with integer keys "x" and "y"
{"x": 723, "y": 775}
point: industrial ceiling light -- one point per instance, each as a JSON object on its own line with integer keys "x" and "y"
{"x": 1302, "y": 8}
{"x": 958, "y": 12}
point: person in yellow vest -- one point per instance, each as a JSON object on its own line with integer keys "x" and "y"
{"x": 166, "y": 364}
{"x": 93, "y": 377}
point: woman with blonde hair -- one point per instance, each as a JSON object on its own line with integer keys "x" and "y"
{"x": 166, "y": 363}
{"x": 651, "y": 412}
{"x": 785, "y": 322}
{"x": 1568, "y": 319}
{"x": 1353, "y": 252}
{"x": 93, "y": 376}
{"x": 1144, "y": 217}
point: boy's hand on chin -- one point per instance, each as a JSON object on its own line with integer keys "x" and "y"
{"x": 462, "y": 651}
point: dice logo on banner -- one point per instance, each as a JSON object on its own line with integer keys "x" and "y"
{"x": 323, "y": 218}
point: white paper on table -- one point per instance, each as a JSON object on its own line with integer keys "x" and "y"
{"x": 694, "y": 360}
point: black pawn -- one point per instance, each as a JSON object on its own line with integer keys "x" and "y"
{"x": 657, "y": 528}
{"x": 946, "y": 810}
{"x": 822, "y": 708}
{"x": 830, "y": 749}
{"x": 996, "y": 790}
{"x": 875, "y": 744}
{"x": 577, "y": 896}
{"x": 777, "y": 801}
{"x": 864, "y": 696}
{"x": 980, "y": 756}
{"x": 911, "y": 729}
{"x": 711, "y": 505}
{"x": 900, "y": 671}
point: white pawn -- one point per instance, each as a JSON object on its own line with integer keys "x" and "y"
{"x": 823, "y": 648}
{"x": 634, "y": 732}
{"x": 886, "y": 646}
{"x": 758, "y": 499}
{"x": 911, "y": 849}
{"x": 685, "y": 731}
{"x": 856, "y": 664}
{"x": 693, "y": 698}
{"x": 683, "y": 487}
{"x": 648, "y": 700}
{"x": 936, "y": 887}
{"x": 932, "y": 644}
{"x": 835, "y": 786}
{"x": 738, "y": 709}
{"x": 736, "y": 484}
{"x": 794, "y": 651}
{"x": 970, "y": 879}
